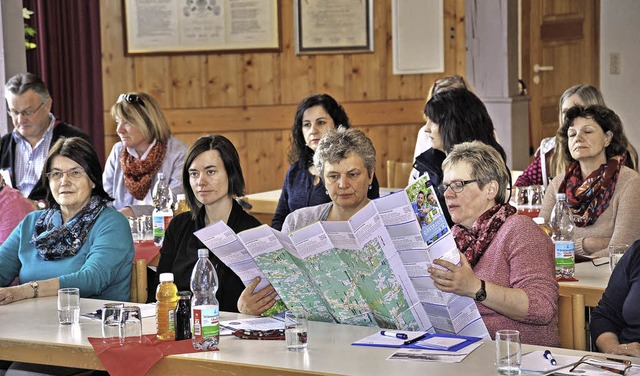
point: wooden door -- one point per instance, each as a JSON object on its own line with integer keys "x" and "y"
{"x": 560, "y": 41}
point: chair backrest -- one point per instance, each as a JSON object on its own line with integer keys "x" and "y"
{"x": 398, "y": 173}
{"x": 571, "y": 322}
{"x": 138, "y": 288}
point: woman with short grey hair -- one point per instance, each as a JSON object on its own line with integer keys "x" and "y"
{"x": 346, "y": 160}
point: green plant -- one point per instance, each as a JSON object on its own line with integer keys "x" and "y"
{"x": 29, "y": 32}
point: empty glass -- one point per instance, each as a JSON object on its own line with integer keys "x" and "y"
{"x": 112, "y": 321}
{"x": 508, "y": 352}
{"x": 131, "y": 324}
{"x": 615, "y": 253}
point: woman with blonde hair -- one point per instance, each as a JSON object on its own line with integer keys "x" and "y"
{"x": 146, "y": 148}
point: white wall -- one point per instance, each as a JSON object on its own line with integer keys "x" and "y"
{"x": 620, "y": 33}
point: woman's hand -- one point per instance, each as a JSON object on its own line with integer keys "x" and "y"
{"x": 14, "y": 294}
{"x": 254, "y": 303}
{"x": 630, "y": 349}
{"x": 460, "y": 280}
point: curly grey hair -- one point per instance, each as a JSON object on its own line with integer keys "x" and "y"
{"x": 337, "y": 144}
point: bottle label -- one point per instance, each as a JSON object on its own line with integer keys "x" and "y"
{"x": 160, "y": 224}
{"x": 206, "y": 321}
{"x": 565, "y": 253}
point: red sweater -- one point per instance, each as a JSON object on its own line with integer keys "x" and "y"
{"x": 522, "y": 256}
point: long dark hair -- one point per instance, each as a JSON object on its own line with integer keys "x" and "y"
{"x": 462, "y": 117}
{"x": 230, "y": 159}
{"x": 83, "y": 153}
{"x": 299, "y": 151}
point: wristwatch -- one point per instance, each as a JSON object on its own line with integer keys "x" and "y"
{"x": 482, "y": 293}
{"x": 34, "y": 285}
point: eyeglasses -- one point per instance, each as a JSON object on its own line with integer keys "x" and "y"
{"x": 25, "y": 113}
{"x": 74, "y": 173}
{"x": 456, "y": 186}
{"x": 448, "y": 83}
{"x": 607, "y": 364}
{"x": 130, "y": 98}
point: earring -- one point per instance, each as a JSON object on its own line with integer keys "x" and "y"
{"x": 369, "y": 186}
{"x": 326, "y": 193}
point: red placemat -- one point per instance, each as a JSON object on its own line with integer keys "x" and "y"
{"x": 136, "y": 358}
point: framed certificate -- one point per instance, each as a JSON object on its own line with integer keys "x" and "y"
{"x": 333, "y": 26}
{"x": 161, "y": 27}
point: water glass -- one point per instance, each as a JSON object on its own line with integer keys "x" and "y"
{"x": 112, "y": 321}
{"x": 508, "y": 352}
{"x": 144, "y": 228}
{"x": 536, "y": 194}
{"x": 131, "y": 324}
{"x": 615, "y": 253}
{"x": 69, "y": 306}
{"x": 295, "y": 330}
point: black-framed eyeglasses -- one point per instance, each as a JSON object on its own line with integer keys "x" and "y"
{"x": 25, "y": 113}
{"x": 456, "y": 186}
{"x": 130, "y": 98}
{"x": 617, "y": 366}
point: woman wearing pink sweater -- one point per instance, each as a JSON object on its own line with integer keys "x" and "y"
{"x": 507, "y": 262}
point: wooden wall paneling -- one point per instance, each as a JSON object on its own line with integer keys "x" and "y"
{"x": 224, "y": 80}
{"x": 187, "y": 75}
{"x": 117, "y": 70}
{"x": 329, "y": 75}
{"x": 153, "y": 77}
{"x": 379, "y": 136}
{"x": 265, "y": 160}
{"x": 262, "y": 78}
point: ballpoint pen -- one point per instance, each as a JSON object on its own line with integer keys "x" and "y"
{"x": 388, "y": 333}
{"x": 418, "y": 338}
{"x": 547, "y": 355}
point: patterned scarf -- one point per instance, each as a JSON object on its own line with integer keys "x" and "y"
{"x": 56, "y": 240}
{"x": 139, "y": 173}
{"x": 590, "y": 197}
{"x": 474, "y": 242}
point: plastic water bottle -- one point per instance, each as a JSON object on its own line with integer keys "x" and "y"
{"x": 167, "y": 297}
{"x": 205, "y": 311}
{"x": 163, "y": 212}
{"x": 562, "y": 225}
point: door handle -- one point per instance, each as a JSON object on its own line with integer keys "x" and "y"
{"x": 542, "y": 68}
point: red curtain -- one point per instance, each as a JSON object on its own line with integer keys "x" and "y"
{"x": 67, "y": 58}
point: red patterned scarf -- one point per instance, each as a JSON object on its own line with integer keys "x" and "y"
{"x": 590, "y": 197}
{"x": 474, "y": 242}
{"x": 139, "y": 173}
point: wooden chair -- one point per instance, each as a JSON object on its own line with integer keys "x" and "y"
{"x": 138, "y": 288}
{"x": 571, "y": 322}
{"x": 398, "y": 173}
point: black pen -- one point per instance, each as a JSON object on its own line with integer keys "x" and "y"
{"x": 418, "y": 338}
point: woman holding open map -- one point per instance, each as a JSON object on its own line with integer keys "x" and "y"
{"x": 346, "y": 160}
{"x": 508, "y": 263}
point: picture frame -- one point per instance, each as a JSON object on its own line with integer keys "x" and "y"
{"x": 333, "y": 26}
{"x": 191, "y": 26}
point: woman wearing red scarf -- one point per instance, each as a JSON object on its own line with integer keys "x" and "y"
{"x": 600, "y": 189}
{"x": 145, "y": 149}
{"x": 507, "y": 262}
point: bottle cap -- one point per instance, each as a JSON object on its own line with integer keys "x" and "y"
{"x": 203, "y": 252}
{"x": 539, "y": 220}
{"x": 184, "y": 294}
{"x": 160, "y": 175}
{"x": 560, "y": 196}
{"x": 181, "y": 197}
{"x": 166, "y": 277}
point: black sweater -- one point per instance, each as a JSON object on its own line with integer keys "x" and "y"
{"x": 179, "y": 254}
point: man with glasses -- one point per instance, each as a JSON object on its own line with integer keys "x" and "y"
{"x": 35, "y": 129}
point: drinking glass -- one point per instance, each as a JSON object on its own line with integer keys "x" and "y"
{"x": 295, "y": 330}
{"x": 508, "y": 352}
{"x": 69, "y": 306}
{"x": 145, "y": 228}
{"x": 112, "y": 321}
{"x": 131, "y": 324}
{"x": 615, "y": 253}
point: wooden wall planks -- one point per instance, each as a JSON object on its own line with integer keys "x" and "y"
{"x": 251, "y": 98}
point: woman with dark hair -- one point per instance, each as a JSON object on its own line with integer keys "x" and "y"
{"x": 302, "y": 185}
{"x": 212, "y": 178}
{"x": 453, "y": 117}
{"x": 600, "y": 189}
{"x": 71, "y": 244}
{"x": 145, "y": 149}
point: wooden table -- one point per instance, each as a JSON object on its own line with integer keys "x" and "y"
{"x": 264, "y": 204}
{"x": 29, "y": 332}
{"x": 592, "y": 280}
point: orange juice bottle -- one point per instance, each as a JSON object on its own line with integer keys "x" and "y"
{"x": 167, "y": 301}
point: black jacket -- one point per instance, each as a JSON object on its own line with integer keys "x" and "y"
{"x": 179, "y": 254}
{"x": 8, "y": 149}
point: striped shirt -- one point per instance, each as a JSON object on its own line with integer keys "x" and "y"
{"x": 29, "y": 161}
